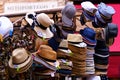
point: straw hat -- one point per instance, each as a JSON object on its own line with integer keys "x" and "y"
{"x": 74, "y": 38}
{"x": 44, "y": 22}
{"x": 20, "y": 61}
{"x": 6, "y": 27}
{"x": 46, "y": 56}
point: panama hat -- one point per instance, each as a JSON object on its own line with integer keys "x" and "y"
{"x": 68, "y": 12}
{"x": 46, "y": 56}
{"x": 43, "y": 24}
{"x": 6, "y": 27}
{"x": 74, "y": 38}
{"x": 63, "y": 48}
{"x": 20, "y": 61}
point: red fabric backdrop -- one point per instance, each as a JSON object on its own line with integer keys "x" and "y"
{"x": 116, "y": 19}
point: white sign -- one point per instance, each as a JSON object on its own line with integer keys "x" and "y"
{"x": 30, "y": 6}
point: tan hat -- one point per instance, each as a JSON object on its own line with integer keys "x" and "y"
{"x": 46, "y": 56}
{"x": 44, "y": 23}
{"x": 20, "y": 60}
{"x": 75, "y": 38}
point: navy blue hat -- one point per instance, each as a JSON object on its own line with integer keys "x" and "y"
{"x": 88, "y": 35}
{"x": 53, "y": 43}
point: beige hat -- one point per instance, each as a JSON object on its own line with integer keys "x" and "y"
{"x": 20, "y": 60}
{"x": 44, "y": 23}
{"x": 75, "y": 38}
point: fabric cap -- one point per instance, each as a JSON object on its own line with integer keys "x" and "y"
{"x": 89, "y": 9}
{"x": 6, "y": 27}
{"x": 110, "y": 32}
{"x": 68, "y": 12}
{"x": 105, "y": 12}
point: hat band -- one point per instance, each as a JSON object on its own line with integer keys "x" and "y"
{"x": 41, "y": 26}
{"x": 91, "y": 14}
{"x": 63, "y": 48}
{"x": 46, "y": 59}
{"x": 68, "y": 28}
{"x": 21, "y": 62}
{"x": 105, "y": 18}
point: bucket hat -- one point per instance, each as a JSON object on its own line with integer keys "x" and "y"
{"x": 68, "y": 12}
{"x": 88, "y": 35}
{"x": 20, "y": 61}
{"x": 43, "y": 24}
{"x": 6, "y": 27}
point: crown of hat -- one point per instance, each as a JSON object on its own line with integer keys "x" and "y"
{"x": 47, "y": 53}
{"x": 69, "y": 11}
{"x": 19, "y": 55}
{"x": 88, "y": 33}
{"x": 106, "y": 10}
{"x": 111, "y": 30}
{"x": 44, "y": 19}
{"x": 64, "y": 44}
{"x": 89, "y": 6}
{"x": 74, "y": 38}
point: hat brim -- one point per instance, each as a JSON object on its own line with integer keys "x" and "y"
{"x": 65, "y": 34}
{"x": 22, "y": 67}
{"x": 66, "y": 21}
{"x": 47, "y": 64}
{"x": 43, "y": 33}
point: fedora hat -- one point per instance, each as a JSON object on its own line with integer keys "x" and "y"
{"x": 43, "y": 23}
{"x": 88, "y": 35}
{"x": 105, "y": 13}
{"x": 21, "y": 60}
{"x": 68, "y": 12}
{"x": 89, "y": 9}
{"x": 63, "y": 47}
{"x": 46, "y": 56}
{"x": 6, "y": 27}
{"x": 110, "y": 32}
{"x": 74, "y": 38}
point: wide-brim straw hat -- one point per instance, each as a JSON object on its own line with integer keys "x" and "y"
{"x": 20, "y": 61}
{"x": 44, "y": 23}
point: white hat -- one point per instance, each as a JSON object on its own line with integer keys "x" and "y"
{"x": 28, "y": 17}
{"x": 89, "y": 6}
{"x": 6, "y": 26}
